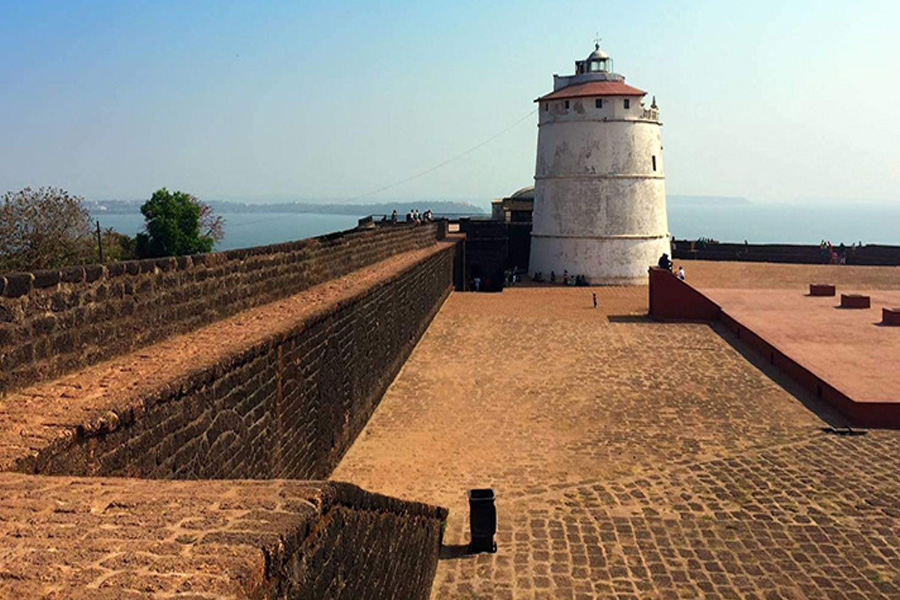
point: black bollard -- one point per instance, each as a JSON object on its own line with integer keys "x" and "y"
{"x": 482, "y": 520}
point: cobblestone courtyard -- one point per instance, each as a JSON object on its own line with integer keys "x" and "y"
{"x": 630, "y": 459}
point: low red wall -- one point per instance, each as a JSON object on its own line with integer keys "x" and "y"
{"x": 860, "y": 414}
{"x": 674, "y": 300}
{"x": 671, "y": 299}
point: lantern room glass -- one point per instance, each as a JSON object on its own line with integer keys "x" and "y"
{"x": 598, "y": 65}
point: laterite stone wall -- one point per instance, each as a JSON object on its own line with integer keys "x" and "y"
{"x": 288, "y": 407}
{"x": 95, "y": 538}
{"x": 52, "y": 322}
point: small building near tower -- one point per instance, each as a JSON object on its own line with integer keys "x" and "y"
{"x": 599, "y": 188}
{"x": 515, "y": 208}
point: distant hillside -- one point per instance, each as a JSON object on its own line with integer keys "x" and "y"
{"x": 401, "y": 206}
{"x": 707, "y": 201}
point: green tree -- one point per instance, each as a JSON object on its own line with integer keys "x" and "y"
{"x": 45, "y": 228}
{"x": 116, "y": 246}
{"x": 177, "y": 223}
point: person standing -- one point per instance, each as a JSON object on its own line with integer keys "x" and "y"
{"x": 594, "y": 295}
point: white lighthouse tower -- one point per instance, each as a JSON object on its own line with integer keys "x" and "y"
{"x": 599, "y": 189}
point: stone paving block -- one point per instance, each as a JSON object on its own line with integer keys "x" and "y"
{"x": 630, "y": 459}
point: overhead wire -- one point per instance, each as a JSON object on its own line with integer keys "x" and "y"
{"x": 442, "y": 164}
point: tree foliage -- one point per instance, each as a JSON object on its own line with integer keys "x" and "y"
{"x": 177, "y": 223}
{"x": 43, "y": 229}
{"x": 117, "y": 246}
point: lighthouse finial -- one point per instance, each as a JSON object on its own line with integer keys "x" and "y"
{"x": 597, "y": 41}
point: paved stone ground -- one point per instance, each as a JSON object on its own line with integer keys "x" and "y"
{"x": 630, "y": 459}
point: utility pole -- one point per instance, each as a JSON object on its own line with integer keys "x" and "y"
{"x": 99, "y": 242}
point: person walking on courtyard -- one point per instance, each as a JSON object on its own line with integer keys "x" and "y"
{"x": 681, "y": 273}
{"x": 394, "y": 216}
{"x": 594, "y": 295}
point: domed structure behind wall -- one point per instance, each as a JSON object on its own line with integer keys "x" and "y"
{"x": 599, "y": 193}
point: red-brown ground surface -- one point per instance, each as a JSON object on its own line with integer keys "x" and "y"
{"x": 757, "y": 275}
{"x": 848, "y": 348}
{"x": 631, "y": 459}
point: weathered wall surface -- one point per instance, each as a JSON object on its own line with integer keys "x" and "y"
{"x": 101, "y": 538}
{"x": 52, "y": 322}
{"x": 285, "y": 408}
{"x": 366, "y": 546}
{"x": 671, "y": 299}
{"x": 599, "y": 192}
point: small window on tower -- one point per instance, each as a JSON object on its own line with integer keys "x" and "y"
{"x": 567, "y": 105}
{"x": 627, "y": 103}
{"x": 546, "y": 106}
{"x": 654, "y": 162}
{"x": 598, "y": 102}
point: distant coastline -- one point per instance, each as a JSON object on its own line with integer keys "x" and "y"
{"x": 727, "y": 219}
{"x": 120, "y": 207}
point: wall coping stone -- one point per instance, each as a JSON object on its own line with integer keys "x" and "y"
{"x": 242, "y": 537}
{"x": 18, "y": 284}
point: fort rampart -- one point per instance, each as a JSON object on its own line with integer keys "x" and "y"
{"x": 870, "y": 254}
{"x": 52, "y": 322}
{"x": 331, "y": 320}
{"x": 99, "y": 538}
{"x": 287, "y": 406}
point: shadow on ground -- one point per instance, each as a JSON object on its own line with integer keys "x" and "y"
{"x": 454, "y": 551}
{"x": 816, "y": 406}
{"x": 629, "y": 319}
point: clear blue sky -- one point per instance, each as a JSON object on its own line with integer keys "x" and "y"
{"x": 774, "y": 100}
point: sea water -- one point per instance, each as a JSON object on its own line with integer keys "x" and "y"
{"x": 755, "y": 223}
{"x": 244, "y": 230}
{"x": 769, "y": 223}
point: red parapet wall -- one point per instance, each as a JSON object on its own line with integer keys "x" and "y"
{"x": 860, "y": 414}
{"x": 671, "y": 299}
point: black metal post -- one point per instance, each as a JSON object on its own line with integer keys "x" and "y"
{"x": 482, "y": 520}
{"x": 99, "y": 242}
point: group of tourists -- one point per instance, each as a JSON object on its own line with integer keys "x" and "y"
{"x": 566, "y": 278}
{"x": 835, "y": 256}
{"x": 413, "y": 216}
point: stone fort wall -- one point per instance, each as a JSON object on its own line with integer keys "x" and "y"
{"x": 52, "y": 322}
{"x": 97, "y": 538}
{"x": 286, "y": 407}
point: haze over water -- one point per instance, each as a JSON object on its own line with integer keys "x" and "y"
{"x": 756, "y": 223}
